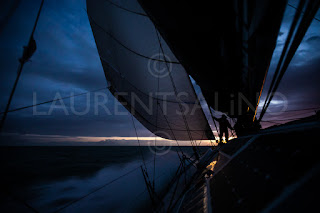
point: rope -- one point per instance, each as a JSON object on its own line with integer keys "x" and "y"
{"x": 23, "y": 60}
{"x": 145, "y": 170}
{"x": 160, "y": 105}
{"x": 175, "y": 189}
{"x": 97, "y": 189}
{"x": 283, "y": 54}
{"x": 128, "y": 10}
{"x": 183, "y": 163}
{"x": 155, "y": 137}
{"x": 175, "y": 90}
{"x": 315, "y": 18}
{"x": 101, "y": 187}
{"x": 135, "y": 129}
{"x": 165, "y": 117}
{"x": 46, "y": 102}
{"x": 141, "y": 193}
{"x": 304, "y": 24}
{"x": 201, "y": 139}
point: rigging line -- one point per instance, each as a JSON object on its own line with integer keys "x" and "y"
{"x": 175, "y": 190}
{"x": 312, "y": 8}
{"x": 183, "y": 163}
{"x": 97, "y": 189}
{"x": 304, "y": 24}
{"x": 283, "y": 53}
{"x": 126, "y": 47}
{"x": 141, "y": 193}
{"x": 37, "y": 19}
{"x": 155, "y": 137}
{"x": 160, "y": 105}
{"x": 135, "y": 129}
{"x": 174, "y": 178}
{"x": 128, "y": 10}
{"x": 45, "y": 102}
{"x": 154, "y": 162}
{"x": 149, "y": 188}
{"x": 20, "y": 68}
{"x": 179, "y": 172}
{"x": 201, "y": 140}
{"x": 174, "y": 87}
{"x": 175, "y": 139}
{"x": 302, "y": 11}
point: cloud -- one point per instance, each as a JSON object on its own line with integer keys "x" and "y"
{"x": 15, "y": 139}
{"x": 67, "y": 61}
{"x": 313, "y": 38}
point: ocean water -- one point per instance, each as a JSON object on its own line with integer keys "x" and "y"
{"x": 83, "y": 179}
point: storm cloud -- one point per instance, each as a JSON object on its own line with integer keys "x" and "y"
{"x": 67, "y": 61}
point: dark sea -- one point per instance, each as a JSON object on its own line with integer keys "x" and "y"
{"x": 83, "y": 179}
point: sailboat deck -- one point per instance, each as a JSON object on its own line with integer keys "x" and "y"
{"x": 195, "y": 198}
{"x": 266, "y": 172}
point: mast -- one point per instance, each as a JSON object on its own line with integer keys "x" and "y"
{"x": 26, "y": 55}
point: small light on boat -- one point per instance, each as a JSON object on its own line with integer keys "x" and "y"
{"x": 211, "y": 165}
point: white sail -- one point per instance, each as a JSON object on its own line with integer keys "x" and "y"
{"x": 153, "y": 86}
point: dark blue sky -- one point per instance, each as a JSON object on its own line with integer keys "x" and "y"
{"x": 67, "y": 61}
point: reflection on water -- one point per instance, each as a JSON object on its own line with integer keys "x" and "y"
{"x": 51, "y": 193}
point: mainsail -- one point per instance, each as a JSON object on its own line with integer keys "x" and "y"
{"x": 143, "y": 73}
